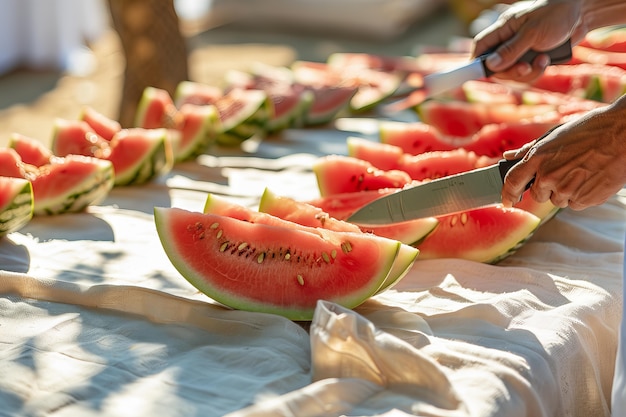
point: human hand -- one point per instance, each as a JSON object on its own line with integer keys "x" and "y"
{"x": 540, "y": 25}
{"x": 578, "y": 165}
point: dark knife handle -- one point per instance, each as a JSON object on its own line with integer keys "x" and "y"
{"x": 504, "y": 165}
{"x": 559, "y": 55}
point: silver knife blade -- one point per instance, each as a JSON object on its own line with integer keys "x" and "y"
{"x": 440, "y": 82}
{"x": 450, "y": 194}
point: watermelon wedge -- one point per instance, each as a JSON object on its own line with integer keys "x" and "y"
{"x": 340, "y": 174}
{"x": 273, "y": 269}
{"x": 487, "y": 234}
{"x": 409, "y": 233}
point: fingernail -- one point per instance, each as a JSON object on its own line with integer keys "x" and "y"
{"x": 543, "y": 61}
{"x": 494, "y": 60}
{"x": 524, "y": 69}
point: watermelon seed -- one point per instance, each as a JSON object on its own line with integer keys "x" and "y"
{"x": 287, "y": 256}
{"x": 260, "y": 258}
{"x": 453, "y": 220}
{"x": 219, "y": 233}
{"x": 346, "y": 247}
{"x": 215, "y": 225}
{"x": 325, "y": 257}
{"x": 224, "y": 246}
{"x": 300, "y": 279}
{"x": 242, "y": 246}
{"x": 463, "y": 218}
{"x": 333, "y": 253}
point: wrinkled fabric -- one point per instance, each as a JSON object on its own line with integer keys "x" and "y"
{"x": 95, "y": 320}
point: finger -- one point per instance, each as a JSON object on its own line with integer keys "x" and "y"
{"x": 516, "y": 181}
{"x": 520, "y": 152}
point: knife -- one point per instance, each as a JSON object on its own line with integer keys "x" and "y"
{"x": 467, "y": 190}
{"x": 442, "y": 81}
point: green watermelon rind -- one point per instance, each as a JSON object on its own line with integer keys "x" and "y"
{"x": 293, "y": 118}
{"x": 199, "y": 281}
{"x": 405, "y": 259}
{"x": 19, "y": 209}
{"x": 92, "y": 190}
{"x": 248, "y": 122}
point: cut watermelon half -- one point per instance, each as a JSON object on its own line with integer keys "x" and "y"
{"x": 16, "y": 204}
{"x": 273, "y": 269}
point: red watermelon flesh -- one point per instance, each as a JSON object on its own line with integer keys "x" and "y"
{"x": 310, "y": 215}
{"x": 415, "y": 137}
{"x": 76, "y": 137}
{"x": 342, "y": 205}
{"x": 11, "y": 164}
{"x": 459, "y": 118}
{"x": 102, "y": 125}
{"x": 593, "y": 81}
{"x": 273, "y": 269}
{"x": 492, "y": 140}
{"x": 31, "y": 151}
{"x": 437, "y": 164}
{"x": 339, "y": 174}
{"x": 382, "y": 155}
{"x": 64, "y": 181}
{"x": 156, "y": 109}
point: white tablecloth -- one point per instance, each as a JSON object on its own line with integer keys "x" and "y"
{"x": 95, "y": 321}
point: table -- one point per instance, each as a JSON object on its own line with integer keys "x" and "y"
{"x": 95, "y": 321}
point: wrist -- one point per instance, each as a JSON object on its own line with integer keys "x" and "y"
{"x": 596, "y": 14}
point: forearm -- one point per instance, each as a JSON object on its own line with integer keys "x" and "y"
{"x": 601, "y": 13}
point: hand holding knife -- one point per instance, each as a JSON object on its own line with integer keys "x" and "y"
{"x": 439, "y": 82}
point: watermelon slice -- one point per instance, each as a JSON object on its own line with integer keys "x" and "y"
{"x": 31, "y": 151}
{"x": 138, "y": 155}
{"x": 64, "y": 185}
{"x": 273, "y": 269}
{"x": 487, "y": 234}
{"x": 198, "y": 129}
{"x": 414, "y": 137}
{"x": 460, "y": 118}
{"x": 242, "y": 113}
{"x": 16, "y": 204}
{"x": 101, "y": 124}
{"x": 303, "y": 216}
{"x": 340, "y": 174}
{"x": 307, "y": 214}
{"x": 592, "y": 81}
{"x": 290, "y": 100}
{"x": 156, "y": 109}
{"x": 371, "y": 86}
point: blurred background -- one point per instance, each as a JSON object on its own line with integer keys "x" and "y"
{"x": 58, "y": 55}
